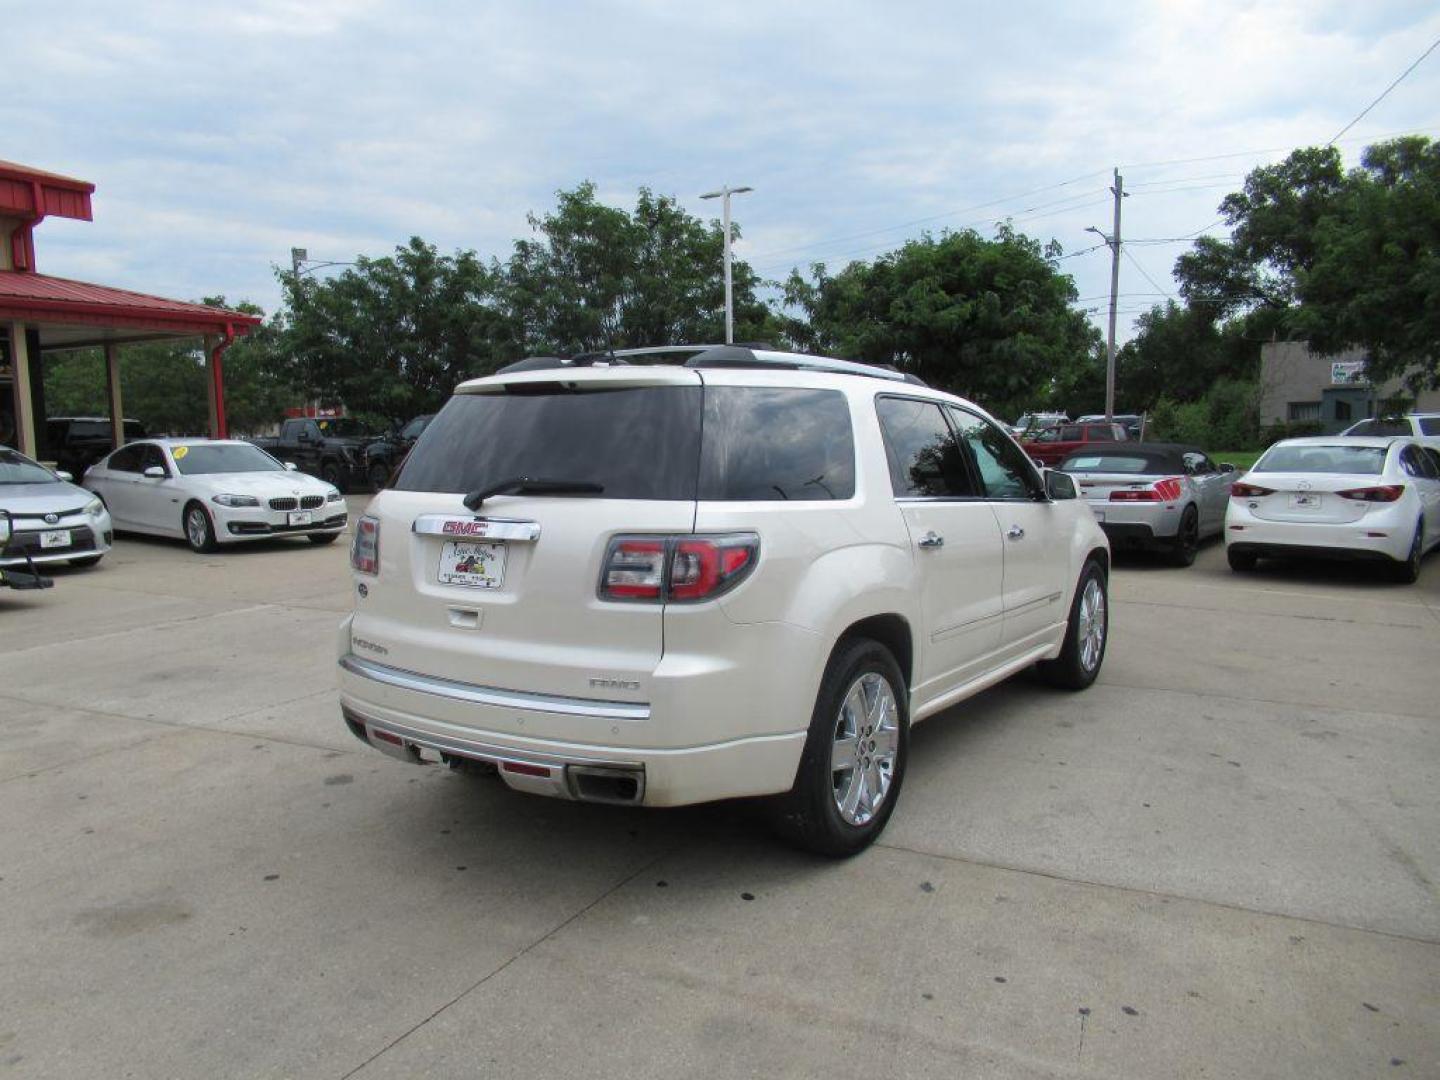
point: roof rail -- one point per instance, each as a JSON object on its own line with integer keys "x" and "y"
{"x": 758, "y": 355}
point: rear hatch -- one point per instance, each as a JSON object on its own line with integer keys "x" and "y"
{"x": 506, "y": 595}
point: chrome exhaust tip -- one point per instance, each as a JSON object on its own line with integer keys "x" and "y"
{"x": 617, "y": 785}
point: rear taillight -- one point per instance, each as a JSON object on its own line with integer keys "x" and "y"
{"x": 634, "y": 569}
{"x": 1383, "y": 493}
{"x": 1167, "y": 490}
{"x": 1239, "y": 490}
{"x": 365, "y": 548}
{"x": 678, "y": 569}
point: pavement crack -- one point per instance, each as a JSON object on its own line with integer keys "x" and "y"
{"x": 611, "y": 891}
{"x": 1159, "y": 894}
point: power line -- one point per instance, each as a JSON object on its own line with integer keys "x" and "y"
{"x": 1433, "y": 45}
{"x": 1143, "y": 273}
{"x": 1269, "y": 149}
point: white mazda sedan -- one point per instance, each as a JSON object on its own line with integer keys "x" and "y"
{"x": 1337, "y": 497}
{"x": 214, "y": 491}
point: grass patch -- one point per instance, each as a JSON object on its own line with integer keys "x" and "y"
{"x": 1241, "y": 459}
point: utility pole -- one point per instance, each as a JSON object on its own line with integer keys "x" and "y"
{"x": 1113, "y": 240}
{"x": 298, "y": 256}
{"x": 724, "y": 195}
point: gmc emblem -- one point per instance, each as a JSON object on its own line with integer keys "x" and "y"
{"x": 467, "y": 528}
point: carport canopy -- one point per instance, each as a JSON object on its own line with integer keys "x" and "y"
{"x": 40, "y": 313}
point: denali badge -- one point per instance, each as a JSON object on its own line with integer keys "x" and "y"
{"x": 615, "y": 684}
{"x": 369, "y": 646}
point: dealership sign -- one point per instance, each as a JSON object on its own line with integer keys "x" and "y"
{"x": 1347, "y": 371}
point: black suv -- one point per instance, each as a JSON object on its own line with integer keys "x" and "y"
{"x": 75, "y": 443}
{"x": 386, "y": 452}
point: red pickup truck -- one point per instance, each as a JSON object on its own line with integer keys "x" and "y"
{"x": 1055, "y": 444}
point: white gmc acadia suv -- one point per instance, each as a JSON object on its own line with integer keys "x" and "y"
{"x": 670, "y": 576}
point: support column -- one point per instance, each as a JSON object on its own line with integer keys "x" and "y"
{"x": 211, "y": 344}
{"x": 24, "y": 402}
{"x": 112, "y": 384}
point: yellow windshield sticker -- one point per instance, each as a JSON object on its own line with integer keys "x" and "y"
{"x": 180, "y": 452}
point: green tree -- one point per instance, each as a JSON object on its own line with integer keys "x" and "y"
{"x": 990, "y": 319}
{"x": 1343, "y": 259}
{"x": 391, "y": 337}
{"x": 596, "y": 277}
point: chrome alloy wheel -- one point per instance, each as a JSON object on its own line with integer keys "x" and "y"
{"x": 1092, "y": 624}
{"x": 867, "y": 739}
{"x": 196, "y": 527}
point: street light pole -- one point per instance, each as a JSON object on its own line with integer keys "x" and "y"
{"x": 724, "y": 195}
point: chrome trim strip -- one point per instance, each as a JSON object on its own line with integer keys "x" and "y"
{"x": 1033, "y": 603}
{"x": 960, "y": 628}
{"x": 490, "y": 695}
{"x": 465, "y": 527}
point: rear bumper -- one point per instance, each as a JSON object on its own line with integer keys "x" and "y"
{"x": 1246, "y": 534}
{"x": 398, "y": 713}
{"x": 1305, "y": 551}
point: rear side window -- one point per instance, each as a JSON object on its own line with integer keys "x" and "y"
{"x": 763, "y": 443}
{"x": 635, "y": 442}
{"x": 1429, "y": 425}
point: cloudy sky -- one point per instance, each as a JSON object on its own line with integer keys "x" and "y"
{"x": 221, "y": 135}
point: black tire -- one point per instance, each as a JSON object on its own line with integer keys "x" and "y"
{"x": 331, "y": 474}
{"x": 1187, "y": 538}
{"x": 89, "y": 560}
{"x": 811, "y": 816}
{"x": 322, "y": 538}
{"x": 1408, "y": 572}
{"x": 379, "y": 474}
{"x": 198, "y": 527}
{"x": 1241, "y": 561}
{"x": 1083, "y": 651}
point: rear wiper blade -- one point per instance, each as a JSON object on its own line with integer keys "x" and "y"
{"x": 525, "y": 485}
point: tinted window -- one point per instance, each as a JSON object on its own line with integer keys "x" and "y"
{"x": 223, "y": 458}
{"x": 762, "y": 443}
{"x": 1415, "y": 462}
{"x": 1004, "y": 469}
{"x": 1367, "y": 460}
{"x": 924, "y": 458}
{"x": 343, "y": 427}
{"x": 1365, "y": 427}
{"x": 1434, "y": 456}
{"x": 414, "y": 427}
{"x": 152, "y": 456}
{"x": 1393, "y": 426}
{"x": 636, "y": 442}
{"x": 16, "y": 468}
{"x": 126, "y": 459}
{"x": 1429, "y": 425}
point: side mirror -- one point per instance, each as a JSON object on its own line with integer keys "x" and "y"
{"x": 290, "y": 466}
{"x": 155, "y": 472}
{"x": 69, "y": 478}
{"x": 1039, "y": 464}
{"x": 1226, "y": 467}
{"x": 1059, "y": 485}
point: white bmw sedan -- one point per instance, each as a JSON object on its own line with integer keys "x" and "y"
{"x": 213, "y": 491}
{"x": 1337, "y": 497}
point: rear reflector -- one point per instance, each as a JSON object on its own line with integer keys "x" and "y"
{"x": 1383, "y": 493}
{"x": 524, "y": 769}
{"x": 1239, "y": 490}
{"x": 385, "y": 736}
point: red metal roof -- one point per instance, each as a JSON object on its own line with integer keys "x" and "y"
{"x": 33, "y": 193}
{"x": 40, "y": 298}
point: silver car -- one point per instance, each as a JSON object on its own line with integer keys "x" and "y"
{"x": 51, "y": 520}
{"x": 1156, "y": 496}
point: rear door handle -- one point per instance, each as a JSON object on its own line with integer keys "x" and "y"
{"x": 1016, "y": 533}
{"x": 932, "y": 539}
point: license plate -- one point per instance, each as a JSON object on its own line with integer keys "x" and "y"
{"x": 1305, "y": 501}
{"x": 478, "y": 566}
{"x": 300, "y": 517}
{"x": 55, "y": 538}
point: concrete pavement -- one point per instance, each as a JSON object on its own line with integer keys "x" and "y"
{"x": 1221, "y": 861}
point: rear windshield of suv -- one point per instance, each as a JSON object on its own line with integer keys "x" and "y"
{"x": 635, "y": 442}
{"x": 644, "y": 442}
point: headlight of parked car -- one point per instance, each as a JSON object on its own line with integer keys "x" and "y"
{"x": 235, "y": 500}
{"x": 333, "y": 495}
{"x": 94, "y": 508}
